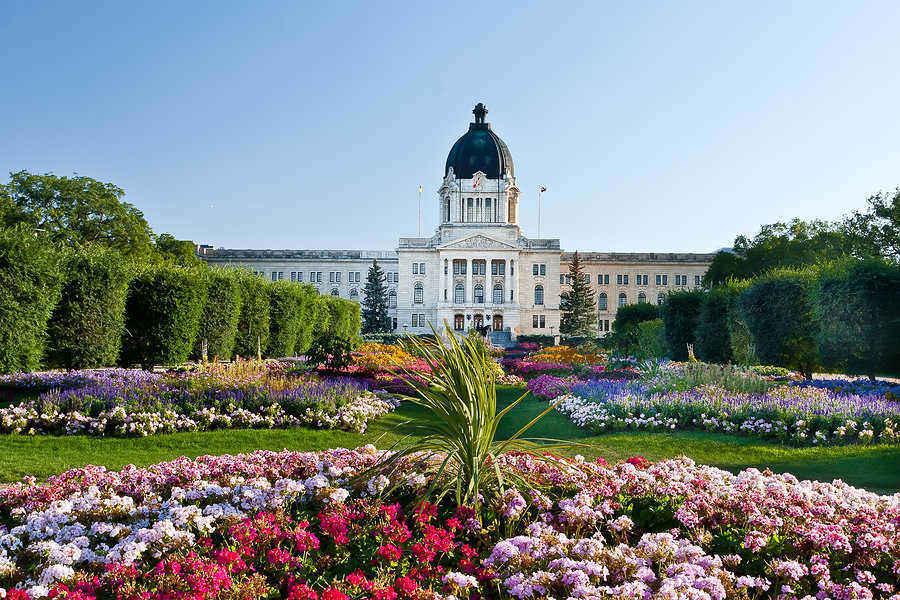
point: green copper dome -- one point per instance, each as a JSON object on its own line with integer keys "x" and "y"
{"x": 480, "y": 149}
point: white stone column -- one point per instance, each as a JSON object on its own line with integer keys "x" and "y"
{"x": 470, "y": 291}
{"x": 443, "y": 279}
{"x": 507, "y": 281}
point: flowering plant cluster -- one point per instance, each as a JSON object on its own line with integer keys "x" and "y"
{"x": 321, "y": 526}
{"x": 569, "y": 356}
{"x": 860, "y": 386}
{"x": 377, "y": 358}
{"x": 798, "y": 416}
{"x": 132, "y": 403}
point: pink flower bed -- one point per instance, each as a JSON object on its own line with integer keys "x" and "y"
{"x": 300, "y": 526}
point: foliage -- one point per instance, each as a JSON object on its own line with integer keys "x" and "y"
{"x": 344, "y": 317}
{"x": 577, "y": 305}
{"x": 219, "y": 320}
{"x": 87, "y": 325}
{"x": 877, "y": 228}
{"x": 680, "y": 313}
{"x": 29, "y": 290}
{"x": 75, "y": 211}
{"x": 625, "y": 327}
{"x": 375, "y": 304}
{"x": 179, "y": 252}
{"x": 857, "y": 308}
{"x": 285, "y": 317}
{"x": 743, "y": 349}
{"x": 541, "y": 340}
{"x": 331, "y": 351}
{"x": 254, "y": 316}
{"x": 779, "y": 315}
{"x": 460, "y": 417}
{"x": 162, "y": 315}
{"x": 651, "y": 340}
{"x": 712, "y": 336}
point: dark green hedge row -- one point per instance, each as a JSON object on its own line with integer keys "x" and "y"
{"x": 92, "y": 308}
{"x": 842, "y": 317}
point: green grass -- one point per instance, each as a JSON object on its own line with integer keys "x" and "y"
{"x": 876, "y": 468}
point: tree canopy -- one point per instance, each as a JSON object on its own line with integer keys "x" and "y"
{"x": 577, "y": 305}
{"x": 75, "y": 211}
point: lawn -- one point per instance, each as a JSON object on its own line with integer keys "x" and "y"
{"x": 875, "y": 467}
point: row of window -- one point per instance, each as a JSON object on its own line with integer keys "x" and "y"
{"x": 622, "y": 279}
{"x": 418, "y": 320}
{"x": 333, "y": 276}
{"x": 479, "y": 267}
{"x": 540, "y": 269}
{"x": 539, "y": 321}
{"x": 418, "y": 268}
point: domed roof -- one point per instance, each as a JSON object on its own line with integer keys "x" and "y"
{"x": 480, "y": 149}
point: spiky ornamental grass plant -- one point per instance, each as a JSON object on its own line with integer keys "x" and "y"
{"x": 459, "y": 427}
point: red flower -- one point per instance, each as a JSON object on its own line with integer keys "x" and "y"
{"x": 639, "y": 461}
{"x": 385, "y": 594}
{"x": 389, "y": 553}
{"x": 406, "y": 586}
{"x": 302, "y": 592}
{"x": 425, "y": 512}
{"x": 334, "y": 594}
{"x": 358, "y": 579}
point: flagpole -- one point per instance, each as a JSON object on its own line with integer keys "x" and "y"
{"x": 420, "y": 211}
{"x": 540, "y": 192}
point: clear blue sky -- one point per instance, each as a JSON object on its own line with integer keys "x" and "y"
{"x": 656, "y": 126}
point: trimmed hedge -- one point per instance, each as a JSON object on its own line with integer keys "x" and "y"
{"x": 162, "y": 315}
{"x": 86, "y": 328}
{"x": 857, "y": 306}
{"x": 286, "y": 302}
{"x": 344, "y": 317}
{"x": 219, "y": 320}
{"x": 308, "y": 301}
{"x": 779, "y": 314}
{"x": 680, "y": 313}
{"x": 625, "y": 326}
{"x": 651, "y": 339}
{"x": 540, "y": 340}
{"x": 254, "y": 316}
{"x": 743, "y": 349}
{"x": 713, "y": 339}
{"x": 29, "y": 290}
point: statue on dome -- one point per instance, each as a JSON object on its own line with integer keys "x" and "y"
{"x": 479, "y": 111}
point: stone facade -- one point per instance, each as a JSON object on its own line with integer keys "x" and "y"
{"x": 478, "y": 269}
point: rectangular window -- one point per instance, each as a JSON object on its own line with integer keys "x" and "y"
{"x": 274, "y": 276}
{"x": 606, "y": 324}
{"x": 488, "y": 212}
{"x": 312, "y": 276}
{"x": 470, "y": 216}
{"x": 455, "y": 268}
{"x": 678, "y": 280}
{"x": 625, "y": 278}
{"x": 543, "y": 322}
{"x": 606, "y": 279}
{"x": 534, "y": 269}
{"x": 562, "y": 279}
{"x": 318, "y": 276}
{"x": 495, "y": 268}
{"x": 543, "y": 269}
{"x": 330, "y": 276}
{"x": 421, "y": 320}
{"x": 415, "y": 320}
{"x": 300, "y": 276}
{"x": 393, "y": 322}
{"x": 697, "y": 280}
{"x": 587, "y": 277}
{"x": 503, "y": 268}
{"x": 415, "y": 268}
{"x": 293, "y": 276}
{"x": 658, "y": 279}
{"x": 280, "y": 275}
{"x": 534, "y": 321}
{"x": 618, "y": 279}
{"x": 337, "y": 276}
{"x": 684, "y": 280}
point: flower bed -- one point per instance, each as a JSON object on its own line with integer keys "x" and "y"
{"x": 299, "y": 526}
{"x": 799, "y": 416}
{"x": 133, "y": 403}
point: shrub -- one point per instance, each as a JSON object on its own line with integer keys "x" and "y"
{"x": 331, "y": 351}
{"x": 30, "y": 283}
{"x": 625, "y": 327}
{"x": 743, "y": 350}
{"x": 308, "y": 313}
{"x": 713, "y": 338}
{"x": 778, "y": 313}
{"x": 541, "y": 340}
{"x": 343, "y": 317}
{"x": 651, "y": 339}
{"x": 162, "y": 315}
{"x": 319, "y": 315}
{"x": 679, "y": 313}
{"x": 219, "y": 320}
{"x": 86, "y": 328}
{"x": 253, "y": 319}
{"x": 857, "y": 306}
{"x": 285, "y": 320}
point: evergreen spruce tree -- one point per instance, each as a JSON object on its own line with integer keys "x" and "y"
{"x": 577, "y": 305}
{"x": 375, "y": 309}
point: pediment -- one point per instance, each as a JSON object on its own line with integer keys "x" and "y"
{"x": 480, "y": 242}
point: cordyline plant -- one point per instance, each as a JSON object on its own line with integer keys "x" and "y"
{"x": 460, "y": 422}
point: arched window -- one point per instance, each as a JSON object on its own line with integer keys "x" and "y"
{"x": 642, "y": 297}
{"x": 498, "y": 294}
{"x": 354, "y": 295}
{"x": 479, "y": 294}
{"x": 538, "y": 294}
{"x": 660, "y": 299}
{"x": 419, "y": 293}
{"x": 392, "y": 299}
{"x": 335, "y": 292}
{"x": 601, "y": 301}
{"x": 623, "y": 299}
{"x": 459, "y": 294}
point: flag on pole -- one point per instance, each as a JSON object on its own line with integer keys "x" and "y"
{"x": 543, "y": 189}
{"x": 420, "y": 189}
